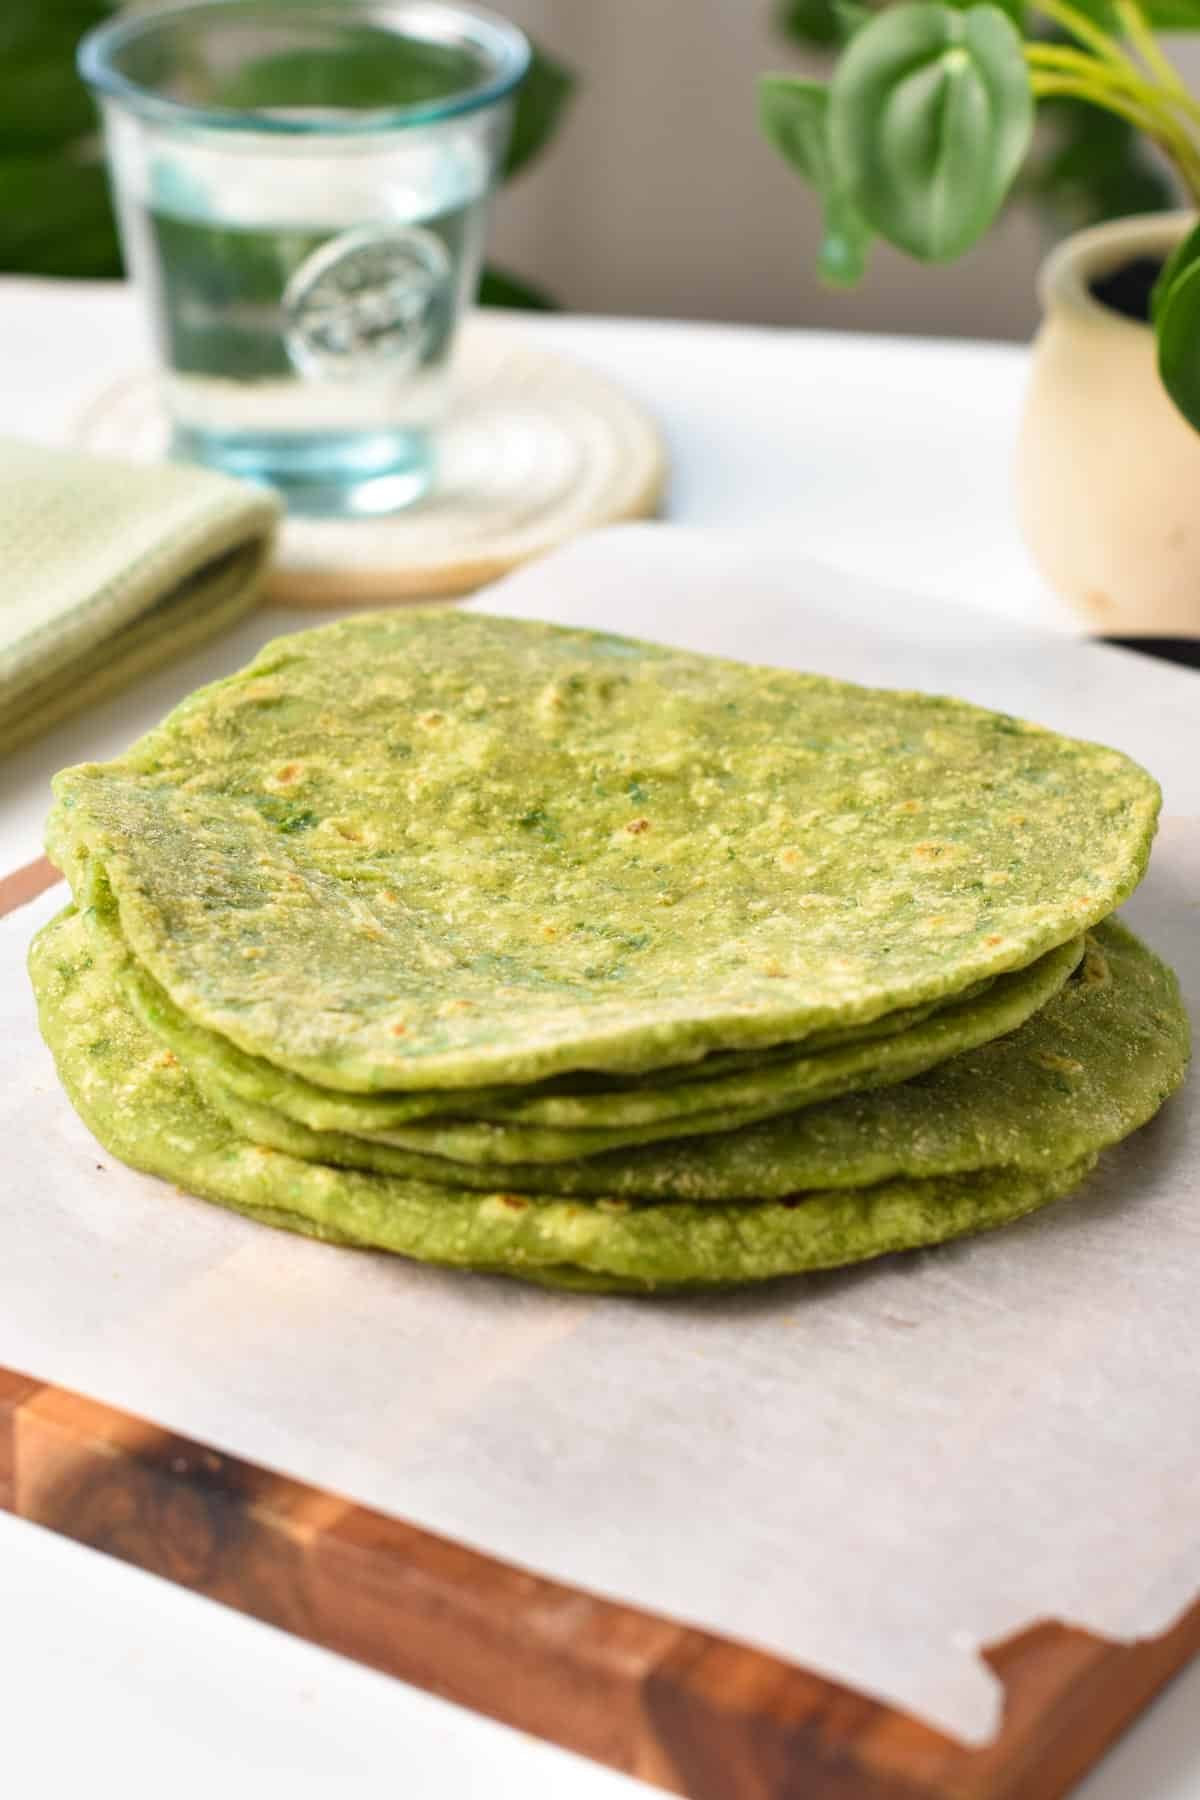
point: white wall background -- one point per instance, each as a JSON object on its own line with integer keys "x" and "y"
{"x": 659, "y": 196}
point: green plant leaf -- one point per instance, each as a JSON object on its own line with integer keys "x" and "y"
{"x": 793, "y": 114}
{"x": 1185, "y": 256}
{"x": 359, "y": 76}
{"x": 1177, "y": 323}
{"x": 1172, "y": 15}
{"x": 43, "y": 28}
{"x": 821, "y": 24}
{"x": 42, "y": 100}
{"x": 358, "y": 73}
{"x": 55, "y": 212}
{"x": 1016, "y": 10}
{"x": 541, "y": 101}
{"x": 845, "y": 243}
{"x": 930, "y": 117}
{"x": 849, "y": 17}
{"x": 794, "y": 118}
{"x": 55, "y": 218}
{"x": 497, "y": 287}
{"x": 43, "y": 104}
{"x": 1161, "y": 15}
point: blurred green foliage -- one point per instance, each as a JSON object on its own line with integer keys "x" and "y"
{"x": 55, "y": 217}
{"x": 55, "y": 209}
{"x": 1087, "y": 165}
{"x": 1091, "y": 166}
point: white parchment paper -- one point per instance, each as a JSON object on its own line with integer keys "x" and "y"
{"x": 873, "y": 1473}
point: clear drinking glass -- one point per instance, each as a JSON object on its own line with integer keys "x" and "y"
{"x": 303, "y": 187}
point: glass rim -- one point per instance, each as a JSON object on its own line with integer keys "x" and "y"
{"x": 506, "y": 43}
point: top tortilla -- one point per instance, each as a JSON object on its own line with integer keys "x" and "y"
{"x": 441, "y": 850}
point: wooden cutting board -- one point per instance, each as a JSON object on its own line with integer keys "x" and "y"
{"x": 693, "y": 1713}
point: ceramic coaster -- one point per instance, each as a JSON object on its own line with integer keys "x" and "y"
{"x": 536, "y": 449}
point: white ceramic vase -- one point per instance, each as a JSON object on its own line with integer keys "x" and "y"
{"x": 1108, "y": 473}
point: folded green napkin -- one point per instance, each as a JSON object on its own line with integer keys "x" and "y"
{"x": 109, "y": 569}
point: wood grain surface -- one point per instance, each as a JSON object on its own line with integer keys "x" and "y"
{"x": 24, "y": 885}
{"x": 690, "y": 1712}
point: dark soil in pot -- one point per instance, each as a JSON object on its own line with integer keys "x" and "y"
{"x": 1127, "y": 289}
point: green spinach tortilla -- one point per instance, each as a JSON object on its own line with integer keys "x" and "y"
{"x": 761, "y": 1095}
{"x": 140, "y": 1102}
{"x": 428, "y": 850}
{"x": 1087, "y": 1070}
{"x": 508, "y": 1129}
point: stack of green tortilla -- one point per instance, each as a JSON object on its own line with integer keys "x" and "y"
{"x": 599, "y": 963}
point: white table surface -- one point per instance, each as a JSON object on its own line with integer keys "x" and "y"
{"x": 889, "y": 457}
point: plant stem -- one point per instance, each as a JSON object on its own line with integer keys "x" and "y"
{"x": 1179, "y": 98}
{"x": 1103, "y": 75}
{"x": 1088, "y": 68}
{"x": 1100, "y": 77}
{"x": 1141, "y": 36}
{"x": 1083, "y": 28}
{"x": 1161, "y": 127}
{"x": 1111, "y": 79}
{"x": 1044, "y": 86}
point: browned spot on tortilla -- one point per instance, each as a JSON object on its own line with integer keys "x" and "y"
{"x": 514, "y": 1202}
{"x": 289, "y": 771}
{"x": 637, "y": 825}
{"x": 1050, "y": 1059}
{"x": 398, "y": 1029}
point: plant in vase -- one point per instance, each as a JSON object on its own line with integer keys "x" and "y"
{"x": 919, "y": 139}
